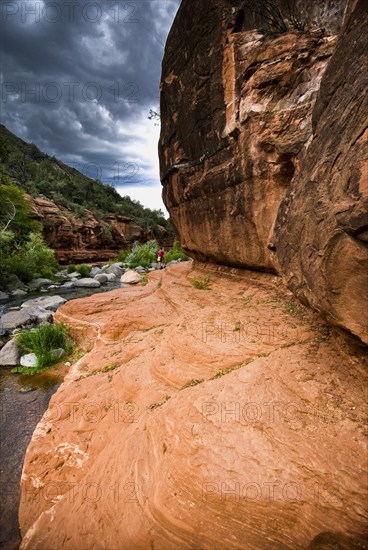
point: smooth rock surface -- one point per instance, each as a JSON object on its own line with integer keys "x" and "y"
{"x": 50, "y": 302}
{"x": 18, "y": 292}
{"x": 87, "y": 282}
{"x": 28, "y": 360}
{"x": 131, "y": 277}
{"x": 40, "y": 314}
{"x": 228, "y": 418}
{"x": 101, "y": 278}
{"x": 15, "y": 319}
{"x": 39, "y": 282}
{"x": 3, "y": 296}
{"x": 10, "y": 354}
{"x": 110, "y": 277}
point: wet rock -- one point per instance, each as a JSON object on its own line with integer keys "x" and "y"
{"x": 50, "y": 302}
{"x": 39, "y": 282}
{"x": 10, "y": 354}
{"x": 74, "y": 275}
{"x": 101, "y": 278}
{"x": 116, "y": 269}
{"x": 16, "y": 319}
{"x": 40, "y": 314}
{"x": 87, "y": 282}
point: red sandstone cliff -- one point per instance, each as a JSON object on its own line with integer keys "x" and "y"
{"x": 90, "y": 240}
{"x": 238, "y": 139}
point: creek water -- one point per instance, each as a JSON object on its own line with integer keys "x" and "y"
{"x": 23, "y": 401}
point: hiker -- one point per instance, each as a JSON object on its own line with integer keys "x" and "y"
{"x": 160, "y": 257}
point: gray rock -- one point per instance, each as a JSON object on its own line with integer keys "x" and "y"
{"x": 54, "y": 287}
{"x": 18, "y": 292}
{"x": 48, "y": 302}
{"x": 66, "y": 287}
{"x": 4, "y": 296}
{"x": 10, "y": 354}
{"x": 15, "y": 319}
{"x": 131, "y": 277}
{"x": 15, "y": 283}
{"x": 140, "y": 269}
{"x": 155, "y": 266}
{"x": 40, "y": 281}
{"x": 74, "y": 275}
{"x": 40, "y": 314}
{"x": 171, "y": 263}
{"x": 29, "y": 360}
{"x": 95, "y": 271}
{"x": 111, "y": 277}
{"x": 101, "y": 278}
{"x": 58, "y": 353}
{"x": 115, "y": 269}
{"x": 61, "y": 274}
{"x": 87, "y": 282}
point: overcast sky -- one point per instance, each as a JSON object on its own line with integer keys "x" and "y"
{"x": 78, "y": 79}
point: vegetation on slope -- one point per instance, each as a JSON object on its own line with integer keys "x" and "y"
{"x": 41, "y": 175}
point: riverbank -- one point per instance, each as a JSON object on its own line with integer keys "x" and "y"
{"x": 189, "y": 405}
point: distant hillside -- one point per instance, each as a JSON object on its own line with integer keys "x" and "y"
{"x": 47, "y": 177}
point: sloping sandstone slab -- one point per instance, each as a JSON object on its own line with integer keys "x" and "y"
{"x": 225, "y": 418}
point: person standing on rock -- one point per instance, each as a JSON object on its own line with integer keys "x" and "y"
{"x": 160, "y": 257}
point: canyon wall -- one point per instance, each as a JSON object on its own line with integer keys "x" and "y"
{"x": 91, "y": 240}
{"x": 239, "y": 116}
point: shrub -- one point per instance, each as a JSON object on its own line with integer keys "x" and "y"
{"x": 143, "y": 255}
{"x": 84, "y": 270}
{"x": 203, "y": 284}
{"x": 39, "y": 257}
{"x": 71, "y": 268}
{"x": 176, "y": 253}
{"x": 42, "y": 341}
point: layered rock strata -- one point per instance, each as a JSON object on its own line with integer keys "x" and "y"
{"x": 257, "y": 174}
{"x": 228, "y": 418}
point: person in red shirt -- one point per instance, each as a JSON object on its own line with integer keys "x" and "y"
{"x": 160, "y": 257}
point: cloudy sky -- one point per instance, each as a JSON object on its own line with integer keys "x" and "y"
{"x": 78, "y": 79}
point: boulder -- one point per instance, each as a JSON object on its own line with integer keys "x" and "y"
{"x": 95, "y": 271}
{"x": 10, "y": 354}
{"x": 50, "y": 302}
{"x": 131, "y": 277}
{"x": 28, "y": 360}
{"x": 101, "y": 278}
{"x": 66, "y": 287}
{"x": 16, "y": 319}
{"x": 111, "y": 277}
{"x": 115, "y": 269}
{"x": 40, "y": 314}
{"x": 58, "y": 353}
{"x": 74, "y": 275}
{"x": 321, "y": 235}
{"x": 3, "y": 296}
{"x": 18, "y": 292}
{"x": 87, "y": 282}
{"x": 39, "y": 282}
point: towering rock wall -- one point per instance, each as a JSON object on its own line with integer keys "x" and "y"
{"x": 237, "y": 108}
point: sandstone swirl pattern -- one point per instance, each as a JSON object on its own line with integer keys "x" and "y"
{"x": 228, "y": 418}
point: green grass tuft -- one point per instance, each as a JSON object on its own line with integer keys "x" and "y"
{"x": 42, "y": 341}
{"x": 203, "y": 284}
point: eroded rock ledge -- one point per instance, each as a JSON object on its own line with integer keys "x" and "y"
{"x": 225, "y": 418}
{"x": 263, "y": 148}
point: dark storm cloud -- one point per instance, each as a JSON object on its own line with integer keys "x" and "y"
{"x": 78, "y": 78}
